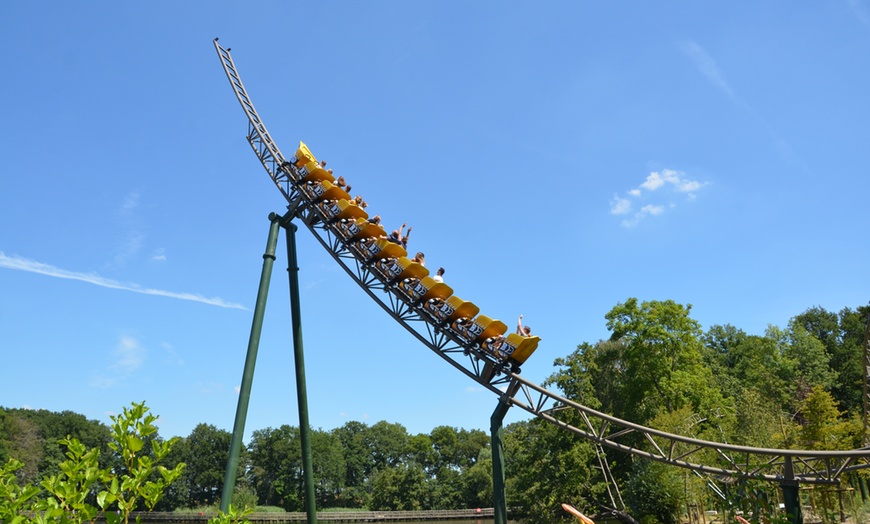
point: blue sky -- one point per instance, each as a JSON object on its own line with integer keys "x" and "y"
{"x": 556, "y": 159}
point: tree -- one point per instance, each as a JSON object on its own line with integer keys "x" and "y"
{"x": 742, "y": 362}
{"x": 805, "y": 362}
{"x": 388, "y": 445}
{"x": 329, "y": 467}
{"x": 33, "y": 437}
{"x": 358, "y": 462}
{"x": 421, "y": 451}
{"x": 402, "y": 487}
{"x": 207, "y": 452}
{"x": 660, "y": 360}
{"x": 823, "y": 428}
{"x": 456, "y": 448}
{"x": 842, "y": 335}
{"x": 547, "y": 466}
{"x": 21, "y": 440}
{"x": 848, "y": 359}
{"x": 652, "y": 490}
{"x": 276, "y": 467}
{"x": 477, "y": 482}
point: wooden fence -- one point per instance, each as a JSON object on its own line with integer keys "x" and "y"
{"x": 325, "y": 516}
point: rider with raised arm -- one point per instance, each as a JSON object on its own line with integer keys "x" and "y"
{"x": 523, "y": 331}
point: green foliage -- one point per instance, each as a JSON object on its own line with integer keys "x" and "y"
{"x": 82, "y": 490}
{"x": 139, "y": 481}
{"x": 33, "y": 438}
{"x": 206, "y": 452}
{"x": 15, "y": 499}
{"x": 402, "y": 487}
{"x": 652, "y": 492}
{"x": 328, "y": 467}
{"x": 661, "y": 358}
{"x": 244, "y": 497}
{"x": 276, "y": 467}
{"x": 547, "y": 466}
{"x": 233, "y": 515}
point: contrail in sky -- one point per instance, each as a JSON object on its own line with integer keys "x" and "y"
{"x": 32, "y": 266}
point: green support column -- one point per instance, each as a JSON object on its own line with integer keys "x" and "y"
{"x": 250, "y": 363}
{"x": 499, "y": 499}
{"x": 791, "y": 493}
{"x": 301, "y": 393}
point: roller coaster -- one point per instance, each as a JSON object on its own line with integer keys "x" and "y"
{"x": 471, "y": 342}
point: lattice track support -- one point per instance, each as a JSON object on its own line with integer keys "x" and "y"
{"x": 710, "y": 458}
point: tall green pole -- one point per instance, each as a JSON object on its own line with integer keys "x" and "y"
{"x": 791, "y": 494}
{"x": 250, "y": 363}
{"x": 499, "y": 499}
{"x": 301, "y": 393}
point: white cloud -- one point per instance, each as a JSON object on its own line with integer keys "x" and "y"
{"x": 689, "y": 186}
{"x": 129, "y": 355}
{"x": 653, "y": 182}
{"x": 620, "y": 206}
{"x": 652, "y": 210}
{"x": 32, "y": 266}
{"x": 664, "y": 184}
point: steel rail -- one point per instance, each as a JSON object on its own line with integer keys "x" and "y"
{"x": 724, "y": 461}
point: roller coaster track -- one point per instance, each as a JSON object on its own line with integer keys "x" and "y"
{"x": 719, "y": 460}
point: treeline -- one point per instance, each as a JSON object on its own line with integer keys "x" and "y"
{"x": 800, "y": 386}
{"x": 378, "y": 467}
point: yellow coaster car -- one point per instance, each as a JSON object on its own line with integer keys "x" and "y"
{"x": 516, "y": 349}
{"x": 376, "y": 248}
{"x": 316, "y": 191}
{"x": 400, "y": 268}
{"x": 450, "y": 310}
{"x": 481, "y": 328}
{"x": 423, "y": 289}
{"x": 313, "y": 172}
{"x": 333, "y": 210}
{"x": 303, "y": 156}
{"x": 359, "y": 228}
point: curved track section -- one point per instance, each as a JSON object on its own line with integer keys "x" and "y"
{"x": 717, "y": 459}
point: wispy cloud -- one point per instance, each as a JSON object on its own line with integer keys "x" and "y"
{"x": 860, "y": 12}
{"x": 133, "y": 239}
{"x": 666, "y": 184}
{"x": 210, "y": 388}
{"x": 707, "y": 67}
{"x": 129, "y": 355}
{"x": 126, "y": 358}
{"x": 32, "y": 266}
{"x": 172, "y": 358}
